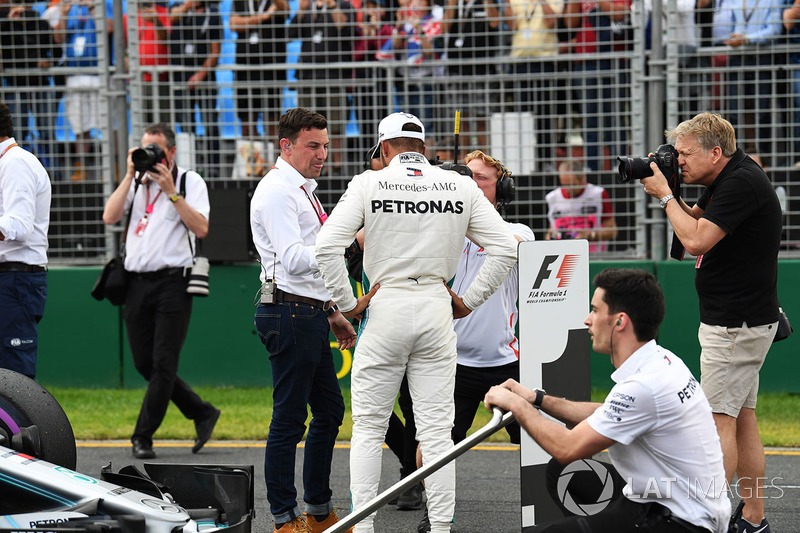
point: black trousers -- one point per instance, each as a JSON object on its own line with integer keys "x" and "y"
{"x": 472, "y": 384}
{"x": 620, "y": 516}
{"x": 157, "y": 311}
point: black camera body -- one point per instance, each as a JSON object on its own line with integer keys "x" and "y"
{"x": 464, "y": 170}
{"x": 636, "y": 168}
{"x": 145, "y": 159}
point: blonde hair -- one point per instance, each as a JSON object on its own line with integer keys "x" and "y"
{"x": 710, "y": 130}
{"x": 489, "y": 162}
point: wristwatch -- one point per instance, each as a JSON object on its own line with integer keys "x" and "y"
{"x": 537, "y": 401}
{"x": 666, "y": 199}
{"x": 174, "y": 198}
{"x": 331, "y": 309}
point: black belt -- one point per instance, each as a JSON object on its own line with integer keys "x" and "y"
{"x": 283, "y": 296}
{"x": 16, "y": 266}
{"x": 158, "y": 274}
{"x": 664, "y": 512}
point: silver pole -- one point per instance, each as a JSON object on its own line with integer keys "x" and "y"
{"x": 655, "y": 116}
{"x": 498, "y": 422}
{"x": 119, "y": 78}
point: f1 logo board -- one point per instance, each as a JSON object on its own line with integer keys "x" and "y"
{"x": 554, "y": 349}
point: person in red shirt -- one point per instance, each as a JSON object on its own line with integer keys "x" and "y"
{"x": 580, "y": 210}
{"x": 153, "y": 26}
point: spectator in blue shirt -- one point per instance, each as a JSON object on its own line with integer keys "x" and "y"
{"x": 77, "y": 29}
{"x": 749, "y": 27}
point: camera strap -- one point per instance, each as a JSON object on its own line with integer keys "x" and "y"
{"x": 182, "y": 192}
{"x": 128, "y": 221}
{"x": 677, "y": 251}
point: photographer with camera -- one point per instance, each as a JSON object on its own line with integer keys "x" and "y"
{"x": 158, "y": 259}
{"x": 734, "y": 230}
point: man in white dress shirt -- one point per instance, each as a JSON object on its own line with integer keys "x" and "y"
{"x": 159, "y": 255}
{"x": 24, "y": 219}
{"x": 294, "y": 319}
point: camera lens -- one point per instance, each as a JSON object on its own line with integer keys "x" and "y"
{"x": 634, "y": 168}
{"x": 142, "y": 160}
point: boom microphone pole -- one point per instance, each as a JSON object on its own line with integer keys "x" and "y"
{"x": 456, "y": 132}
{"x": 464, "y": 170}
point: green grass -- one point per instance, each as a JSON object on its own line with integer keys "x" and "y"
{"x": 100, "y": 414}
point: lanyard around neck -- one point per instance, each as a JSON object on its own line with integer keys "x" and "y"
{"x": 149, "y": 209}
{"x": 317, "y": 208}
{"x": 9, "y": 147}
{"x": 748, "y": 15}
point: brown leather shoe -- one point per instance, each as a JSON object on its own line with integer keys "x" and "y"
{"x": 319, "y": 527}
{"x": 297, "y": 525}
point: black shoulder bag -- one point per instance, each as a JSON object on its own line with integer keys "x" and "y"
{"x": 112, "y": 283}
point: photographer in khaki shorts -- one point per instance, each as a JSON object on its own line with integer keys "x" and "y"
{"x": 734, "y": 230}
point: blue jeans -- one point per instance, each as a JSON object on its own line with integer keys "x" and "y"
{"x": 22, "y": 299}
{"x": 296, "y": 336}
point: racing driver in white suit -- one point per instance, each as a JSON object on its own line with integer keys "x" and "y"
{"x": 415, "y": 217}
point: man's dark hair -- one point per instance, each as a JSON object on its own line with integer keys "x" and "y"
{"x": 408, "y": 144}
{"x": 6, "y": 124}
{"x": 298, "y": 119}
{"x": 636, "y": 292}
{"x": 162, "y": 129}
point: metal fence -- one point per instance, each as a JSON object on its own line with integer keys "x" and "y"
{"x": 536, "y": 86}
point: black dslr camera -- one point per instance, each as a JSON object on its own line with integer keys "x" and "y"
{"x": 464, "y": 170}
{"x": 636, "y": 168}
{"x": 145, "y": 159}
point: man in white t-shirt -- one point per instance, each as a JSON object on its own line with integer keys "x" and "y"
{"x": 656, "y": 422}
{"x": 488, "y": 349}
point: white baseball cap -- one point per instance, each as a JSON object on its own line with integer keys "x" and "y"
{"x": 391, "y": 127}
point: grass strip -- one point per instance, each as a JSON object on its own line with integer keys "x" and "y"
{"x": 110, "y": 414}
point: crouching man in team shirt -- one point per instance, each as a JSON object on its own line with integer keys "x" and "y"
{"x": 656, "y": 422}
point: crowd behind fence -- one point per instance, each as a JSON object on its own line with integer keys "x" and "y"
{"x": 537, "y": 82}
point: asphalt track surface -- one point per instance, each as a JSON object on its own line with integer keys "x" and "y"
{"x": 487, "y": 492}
